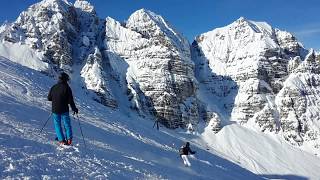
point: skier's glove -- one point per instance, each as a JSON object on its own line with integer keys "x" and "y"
{"x": 75, "y": 111}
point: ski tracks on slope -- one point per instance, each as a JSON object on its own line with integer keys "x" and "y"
{"x": 25, "y": 154}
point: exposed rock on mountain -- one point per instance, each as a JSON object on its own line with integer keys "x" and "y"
{"x": 64, "y": 35}
{"x": 50, "y": 27}
{"x": 157, "y": 66}
{"x": 246, "y": 69}
{"x": 298, "y": 104}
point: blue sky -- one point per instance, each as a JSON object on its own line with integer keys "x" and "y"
{"x": 191, "y": 17}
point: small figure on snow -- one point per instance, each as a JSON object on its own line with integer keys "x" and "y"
{"x": 184, "y": 152}
{"x": 190, "y": 128}
{"x": 61, "y": 96}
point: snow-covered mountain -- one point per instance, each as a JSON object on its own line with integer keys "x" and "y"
{"x": 261, "y": 77}
{"x": 156, "y": 65}
{"x": 246, "y": 85}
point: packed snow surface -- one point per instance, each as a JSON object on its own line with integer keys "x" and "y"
{"x": 121, "y": 145}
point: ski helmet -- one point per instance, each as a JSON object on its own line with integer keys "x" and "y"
{"x": 64, "y": 77}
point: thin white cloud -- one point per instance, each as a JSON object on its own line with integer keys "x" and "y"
{"x": 308, "y": 32}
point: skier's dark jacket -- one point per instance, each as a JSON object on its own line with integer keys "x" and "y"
{"x": 61, "y": 95}
{"x": 184, "y": 150}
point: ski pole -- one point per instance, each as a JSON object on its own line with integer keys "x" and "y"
{"x": 45, "y": 123}
{"x": 81, "y": 131}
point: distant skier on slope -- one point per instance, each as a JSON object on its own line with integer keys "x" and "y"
{"x": 184, "y": 152}
{"x": 61, "y": 96}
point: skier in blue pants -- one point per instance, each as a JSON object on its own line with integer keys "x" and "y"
{"x": 61, "y": 96}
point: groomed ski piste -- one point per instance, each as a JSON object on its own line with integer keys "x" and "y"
{"x": 122, "y": 145}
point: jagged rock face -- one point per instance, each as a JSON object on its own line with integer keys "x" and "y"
{"x": 298, "y": 104}
{"x": 49, "y": 26}
{"x": 263, "y": 72}
{"x": 91, "y": 30}
{"x": 3, "y": 29}
{"x": 87, "y": 46}
{"x": 66, "y": 34}
{"x": 289, "y": 44}
{"x": 156, "y": 65}
{"x": 248, "y": 61}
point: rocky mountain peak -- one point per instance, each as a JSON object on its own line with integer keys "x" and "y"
{"x": 290, "y": 45}
{"x": 155, "y": 62}
{"x": 84, "y": 6}
{"x": 151, "y": 25}
{"x": 48, "y": 27}
{"x": 259, "y": 27}
{"x": 262, "y": 77}
{"x": 311, "y": 64}
{"x": 55, "y": 5}
{"x": 311, "y": 56}
{"x": 141, "y": 17}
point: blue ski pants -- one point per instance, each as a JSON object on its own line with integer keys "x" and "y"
{"x": 67, "y": 125}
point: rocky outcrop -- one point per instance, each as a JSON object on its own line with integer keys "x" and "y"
{"x": 66, "y": 34}
{"x": 50, "y": 27}
{"x": 298, "y": 104}
{"x": 156, "y": 65}
{"x": 266, "y": 77}
{"x": 243, "y": 63}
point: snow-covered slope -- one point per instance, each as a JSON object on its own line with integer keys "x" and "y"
{"x": 120, "y": 148}
{"x": 262, "y": 153}
{"x": 117, "y": 146}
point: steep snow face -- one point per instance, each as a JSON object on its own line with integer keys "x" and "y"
{"x": 155, "y": 62}
{"x": 246, "y": 68}
{"x": 262, "y": 153}
{"x": 87, "y": 52}
{"x": 95, "y": 78}
{"x": 24, "y": 55}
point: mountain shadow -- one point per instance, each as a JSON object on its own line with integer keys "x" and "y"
{"x": 217, "y": 92}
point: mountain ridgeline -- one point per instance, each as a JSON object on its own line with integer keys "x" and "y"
{"x": 247, "y": 72}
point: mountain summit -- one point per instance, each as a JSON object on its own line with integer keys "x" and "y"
{"x": 246, "y": 67}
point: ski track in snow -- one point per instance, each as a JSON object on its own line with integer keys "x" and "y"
{"x": 118, "y": 146}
